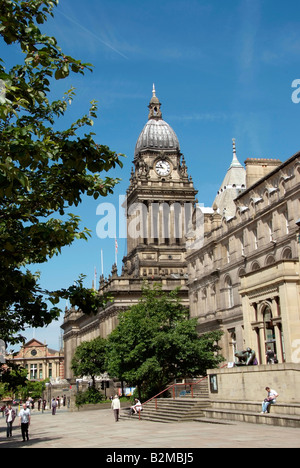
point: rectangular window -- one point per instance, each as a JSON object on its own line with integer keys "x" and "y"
{"x": 228, "y": 253}
{"x": 242, "y": 245}
{"x": 255, "y": 235}
{"x": 33, "y": 372}
{"x": 271, "y": 232}
{"x": 287, "y": 224}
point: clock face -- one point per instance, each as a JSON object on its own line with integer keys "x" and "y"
{"x": 163, "y": 168}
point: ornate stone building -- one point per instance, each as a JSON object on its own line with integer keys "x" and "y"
{"x": 40, "y": 361}
{"x": 245, "y": 278}
{"x": 238, "y": 268}
{"x": 160, "y": 204}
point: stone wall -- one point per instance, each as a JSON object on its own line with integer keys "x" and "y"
{"x": 249, "y": 383}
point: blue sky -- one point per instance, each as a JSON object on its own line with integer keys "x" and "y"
{"x": 222, "y": 70}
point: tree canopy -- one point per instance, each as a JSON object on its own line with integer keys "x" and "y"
{"x": 156, "y": 342}
{"x": 44, "y": 172}
{"x": 90, "y": 359}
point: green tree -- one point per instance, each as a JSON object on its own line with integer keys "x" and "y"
{"x": 32, "y": 389}
{"x": 14, "y": 377}
{"x": 90, "y": 359}
{"x": 156, "y": 342}
{"x": 44, "y": 172}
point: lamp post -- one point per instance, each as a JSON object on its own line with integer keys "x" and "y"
{"x": 298, "y": 241}
{"x": 298, "y": 235}
{"x": 49, "y": 392}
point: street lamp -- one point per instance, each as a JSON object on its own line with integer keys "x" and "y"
{"x": 49, "y": 392}
{"x": 298, "y": 235}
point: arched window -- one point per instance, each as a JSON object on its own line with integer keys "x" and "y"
{"x": 230, "y": 296}
{"x": 270, "y": 260}
{"x": 255, "y": 266}
{"x": 287, "y": 254}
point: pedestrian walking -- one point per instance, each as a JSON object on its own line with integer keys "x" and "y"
{"x": 115, "y": 406}
{"x": 25, "y": 421}
{"x": 10, "y": 415}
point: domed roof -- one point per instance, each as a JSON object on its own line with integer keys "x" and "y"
{"x": 157, "y": 134}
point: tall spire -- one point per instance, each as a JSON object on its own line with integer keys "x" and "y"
{"x": 153, "y": 91}
{"x": 154, "y": 106}
{"x": 233, "y": 183}
{"x": 235, "y": 161}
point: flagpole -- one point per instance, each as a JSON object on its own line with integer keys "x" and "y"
{"x": 102, "y": 270}
{"x": 116, "y": 252}
{"x": 95, "y": 278}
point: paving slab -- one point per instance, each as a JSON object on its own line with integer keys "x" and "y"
{"x": 97, "y": 429}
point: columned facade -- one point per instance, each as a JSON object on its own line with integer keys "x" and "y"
{"x": 244, "y": 280}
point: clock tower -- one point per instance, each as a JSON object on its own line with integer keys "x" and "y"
{"x": 160, "y": 201}
{"x": 160, "y": 207}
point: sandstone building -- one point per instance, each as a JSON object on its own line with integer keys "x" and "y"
{"x": 40, "y": 361}
{"x": 238, "y": 267}
{"x": 245, "y": 278}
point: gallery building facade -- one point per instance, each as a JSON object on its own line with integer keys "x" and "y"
{"x": 245, "y": 278}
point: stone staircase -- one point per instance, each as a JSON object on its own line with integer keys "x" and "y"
{"x": 171, "y": 411}
{"x": 200, "y": 389}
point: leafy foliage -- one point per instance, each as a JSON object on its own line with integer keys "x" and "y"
{"x": 156, "y": 342}
{"x": 14, "y": 377}
{"x": 90, "y": 359}
{"x": 43, "y": 171}
{"x": 90, "y": 396}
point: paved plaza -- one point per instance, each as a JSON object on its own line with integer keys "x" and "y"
{"x": 97, "y": 429}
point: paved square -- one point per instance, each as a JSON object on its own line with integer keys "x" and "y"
{"x": 97, "y": 429}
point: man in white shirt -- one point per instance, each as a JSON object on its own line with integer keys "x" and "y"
{"x": 25, "y": 421}
{"x": 10, "y": 417}
{"x": 115, "y": 406}
{"x": 270, "y": 400}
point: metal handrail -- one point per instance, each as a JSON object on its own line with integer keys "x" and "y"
{"x": 173, "y": 387}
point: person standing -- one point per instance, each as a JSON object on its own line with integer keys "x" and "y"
{"x": 25, "y": 421}
{"x": 10, "y": 417}
{"x": 115, "y": 406}
{"x": 54, "y": 406}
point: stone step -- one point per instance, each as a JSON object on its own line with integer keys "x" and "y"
{"x": 251, "y": 417}
{"x": 217, "y": 412}
{"x": 281, "y": 414}
{"x": 292, "y": 409}
{"x": 169, "y": 410}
